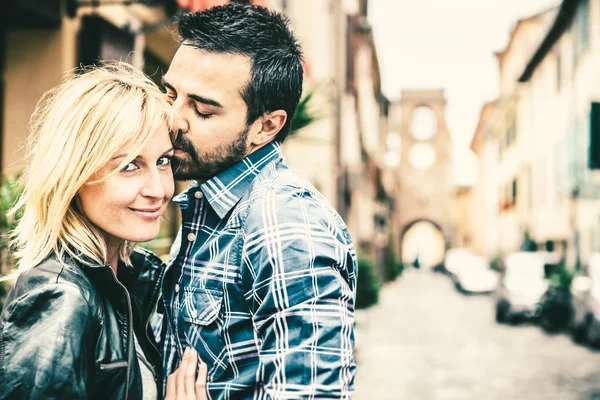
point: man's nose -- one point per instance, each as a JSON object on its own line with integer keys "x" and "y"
{"x": 180, "y": 123}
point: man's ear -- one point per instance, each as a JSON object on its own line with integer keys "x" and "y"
{"x": 269, "y": 128}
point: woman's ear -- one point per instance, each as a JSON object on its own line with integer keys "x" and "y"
{"x": 269, "y": 127}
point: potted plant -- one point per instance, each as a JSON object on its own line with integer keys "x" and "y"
{"x": 556, "y": 307}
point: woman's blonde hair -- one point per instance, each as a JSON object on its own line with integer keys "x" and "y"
{"x": 75, "y": 130}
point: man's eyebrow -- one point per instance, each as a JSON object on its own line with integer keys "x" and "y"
{"x": 196, "y": 97}
{"x": 205, "y": 100}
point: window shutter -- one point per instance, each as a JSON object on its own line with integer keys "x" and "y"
{"x": 594, "y": 135}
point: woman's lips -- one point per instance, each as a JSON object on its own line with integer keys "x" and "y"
{"x": 147, "y": 213}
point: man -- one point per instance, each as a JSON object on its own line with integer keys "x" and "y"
{"x": 263, "y": 278}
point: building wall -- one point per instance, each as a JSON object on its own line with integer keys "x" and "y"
{"x": 33, "y": 66}
{"x": 566, "y": 94}
{"x": 313, "y": 23}
{"x": 37, "y": 59}
{"x": 505, "y": 156}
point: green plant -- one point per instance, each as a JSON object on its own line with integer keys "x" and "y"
{"x": 10, "y": 191}
{"x": 496, "y": 263}
{"x": 303, "y": 115}
{"x": 562, "y": 277}
{"x": 393, "y": 266}
{"x": 368, "y": 286}
{"x": 528, "y": 243}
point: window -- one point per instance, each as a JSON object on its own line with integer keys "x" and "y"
{"x": 423, "y": 123}
{"x": 511, "y": 129}
{"x": 584, "y": 12}
{"x": 581, "y": 30}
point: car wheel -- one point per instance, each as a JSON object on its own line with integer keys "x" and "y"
{"x": 578, "y": 332}
{"x": 502, "y": 308}
{"x": 590, "y": 337}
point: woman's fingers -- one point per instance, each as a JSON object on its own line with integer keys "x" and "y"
{"x": 183, "y": 383}
{"x": 180, "y": 377}
{"x": 189, "y": 373}
{"x": 201, "y": 382}
{"x": 171, "y": 391}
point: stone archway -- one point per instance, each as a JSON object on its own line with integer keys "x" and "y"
{"x": 425, "y": 239}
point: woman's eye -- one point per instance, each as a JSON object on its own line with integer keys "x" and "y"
{"x": 130, "y": 167}
{"x": 166, "y": 160}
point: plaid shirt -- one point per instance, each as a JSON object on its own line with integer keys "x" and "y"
{"x": 262, "y": 284}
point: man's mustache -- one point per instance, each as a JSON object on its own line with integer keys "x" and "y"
{"x": 182, "y": 143}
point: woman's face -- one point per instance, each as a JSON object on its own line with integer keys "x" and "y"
{"x": 128, "y": 205}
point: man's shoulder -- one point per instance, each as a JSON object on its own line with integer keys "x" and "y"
{"x": 279, "y": 182}
{"x": 280, "y": 192}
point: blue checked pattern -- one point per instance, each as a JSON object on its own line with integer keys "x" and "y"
{"x": 262, "y": 284}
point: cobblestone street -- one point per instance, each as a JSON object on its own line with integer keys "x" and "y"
{"x": 424, "y": 340}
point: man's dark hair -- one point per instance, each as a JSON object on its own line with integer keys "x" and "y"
{"x": 264, "y": 36}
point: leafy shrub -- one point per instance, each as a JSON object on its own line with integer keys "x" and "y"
{"x": 10, "y": 191}
{"x": 562, "y": 277}
{"x": 496, "y": 263}
{"x": 304, "y": 115}
{"x": 393, "y": 266}
{"x": 367, "y": 290}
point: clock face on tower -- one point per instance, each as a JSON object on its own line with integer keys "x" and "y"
{"x": 423, "y": 123}
{"x": 422, "y": 156}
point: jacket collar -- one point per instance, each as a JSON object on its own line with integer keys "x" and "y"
{"x": 224, "y": 190}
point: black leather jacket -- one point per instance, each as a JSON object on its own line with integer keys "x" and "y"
{"x": 67, "y": 332}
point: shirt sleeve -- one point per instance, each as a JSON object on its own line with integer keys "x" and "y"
{"x": 45, "y": 345}
{"x": 298, "y": 269}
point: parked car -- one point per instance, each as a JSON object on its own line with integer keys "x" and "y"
{"x": 585, "y": 292}
{"x": 521, "y": 287}
{"x": 474, "y": 276}
{"x": 454, "y": 258}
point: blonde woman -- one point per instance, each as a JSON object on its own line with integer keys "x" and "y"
{"x": 98, "y": 177}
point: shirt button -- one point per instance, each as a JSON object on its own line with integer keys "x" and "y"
{"x": 177, "y": 288}
{"x": 199, "y": 194}
{"x": 191, "y": 237}
{"x": 194, "y": 313}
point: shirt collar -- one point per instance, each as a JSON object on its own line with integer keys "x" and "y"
{"x": 224, "y": 190}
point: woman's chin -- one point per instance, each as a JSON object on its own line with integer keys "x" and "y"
{"x": 144, "y": 238}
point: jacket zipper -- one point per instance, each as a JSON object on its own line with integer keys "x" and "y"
{"x": 129, "y": 338}
{"x": 115, "y": 365}
{"x": 154, "y": 305}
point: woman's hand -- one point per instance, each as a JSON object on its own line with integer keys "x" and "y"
{"x": 183, "y": 384}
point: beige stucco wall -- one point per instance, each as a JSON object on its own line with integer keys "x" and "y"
{"x": 311, "y": 152}
{"x": 33, "y": 65}
{"x": 37, "y": 59}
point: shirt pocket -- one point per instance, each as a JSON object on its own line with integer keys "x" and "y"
{"x": 203, "y": 327}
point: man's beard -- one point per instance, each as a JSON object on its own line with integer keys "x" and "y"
{"x": 202, "y": 167}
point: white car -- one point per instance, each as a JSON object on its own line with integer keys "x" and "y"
{"x": 455, "y": 258}
{"x": 521, "y": 286}
{"x": 475, "y": 276}
{"x": 585, "y": 295}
